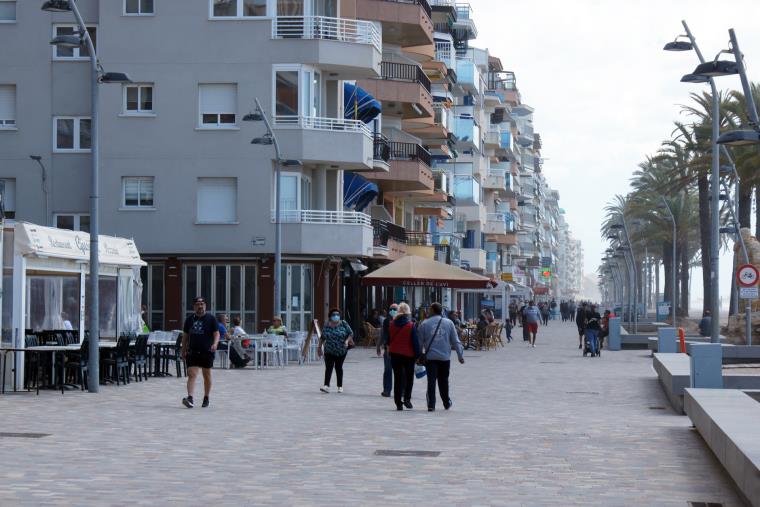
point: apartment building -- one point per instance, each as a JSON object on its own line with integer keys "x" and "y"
{"x": 449, "y": 150}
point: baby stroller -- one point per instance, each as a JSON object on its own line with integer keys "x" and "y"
{"x": 587, "y": 347}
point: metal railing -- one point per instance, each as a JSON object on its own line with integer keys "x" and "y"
{"x": 383, "y": 231}
{"x": 422, "y": 3}
{"x": 410, "y": 151}
{"x": 381, "y": 148}
{"x": 319, "y": 123}
{"x": 324, "y": 28}
{"x": 444, "y": 52}
{"x": 309, "y": 216}
{"x": 404, "y": 72}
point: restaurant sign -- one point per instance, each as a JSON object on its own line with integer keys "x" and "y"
{"x": 74, "y": 245}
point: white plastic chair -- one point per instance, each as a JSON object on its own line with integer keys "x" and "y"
{"x": 270, "y": 349}
{"x": 294, "y": 344}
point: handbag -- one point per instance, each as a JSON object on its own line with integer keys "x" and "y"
{"x": 351, "y": 343}
{"x": 423, "y": 357}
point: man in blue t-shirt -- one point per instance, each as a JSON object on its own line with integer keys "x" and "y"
{"x": 532, "y": 316}
{"x": 199, "y": 343}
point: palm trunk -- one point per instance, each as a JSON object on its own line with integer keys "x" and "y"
{"x": 656, "y": 282}
{"x": 684, "y": 281}
{"x": 704, "y": 239}
{"x": 745, "y": 204}
{"x": 757, "y": 211}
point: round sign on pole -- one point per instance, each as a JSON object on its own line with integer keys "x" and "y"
{"x": 747, "y": 275}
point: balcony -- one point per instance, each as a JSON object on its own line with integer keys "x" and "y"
{"x": 464, "y": 24}
{"x": 305, "y": 138}
{"x": 403, "y": 89}
{"x": 440, "y": 246}
{"x": 445, "y": 52}
{"x": 468, "y": 76}
{"x": 496, "y": 223}
{"x": 405, "y": 23}
{"x": 389, "y": 240}
{"x": 409, "y": 169}
{"x": 497, "y": 179}
{"x": 474, "y": 258}
{"x": 492, "y": 138}
{"x": 381, "y": 153}
{"x": 350, "y": 48}
{"x": 326, "y": 232}
{"x": 466, "y": 190}
{"x": 467, "y": 132}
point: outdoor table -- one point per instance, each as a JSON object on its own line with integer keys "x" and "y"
{"x": 154, "y": 356}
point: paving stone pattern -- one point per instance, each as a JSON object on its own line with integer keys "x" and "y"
{"x": 540, "y": 426}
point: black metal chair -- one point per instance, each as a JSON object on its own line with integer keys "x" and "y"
{"x": 31, "y": 362}
{"x": 116, "y": 363}
{"x": 138, "y": 358}
{"x": 172, "y": 354}
{"x": 77, "y": 364}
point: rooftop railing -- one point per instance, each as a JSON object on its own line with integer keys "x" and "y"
{"x": 324, "y": 28}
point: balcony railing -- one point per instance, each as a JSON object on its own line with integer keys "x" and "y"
{"x": 410, "y": 151}
{"x": 318, "y": 123}
{"x": 324, "y": 28}
{"x": 381, "y": 148}
{"x": 383, "y": 231}
{"x": 422, "y": 3}
{"x": 444, "y": 52}
{"x": 309, "y": 216}
{"x": 404, "y": 72}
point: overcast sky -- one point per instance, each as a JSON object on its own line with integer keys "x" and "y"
{"x": 604, "y": 92}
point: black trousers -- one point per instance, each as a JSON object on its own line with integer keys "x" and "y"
{"x": 336, "y": 362}
{"x": 438, "y": 371}
{"x": 403, "y": 377}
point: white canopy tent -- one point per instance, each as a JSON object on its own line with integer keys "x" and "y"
{"x": 49, "y": 278}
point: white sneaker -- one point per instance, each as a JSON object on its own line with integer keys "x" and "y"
{"x": 325, "y": 389}
{"x": 340, "y": 389}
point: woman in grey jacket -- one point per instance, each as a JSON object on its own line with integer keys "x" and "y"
{"x": 438, "y": 337}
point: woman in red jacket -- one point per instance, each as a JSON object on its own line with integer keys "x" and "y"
{"x": 404, "y": 348}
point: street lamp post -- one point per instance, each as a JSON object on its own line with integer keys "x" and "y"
{"x": 674, "y": 263}
{"x": 97, "y": 76}
{"x": 270, "y": 138}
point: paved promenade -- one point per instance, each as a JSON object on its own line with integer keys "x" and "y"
{"x": 540, "y": 426}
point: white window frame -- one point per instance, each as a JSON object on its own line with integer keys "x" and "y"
{"x": 75, "y": 57}
{"x": 305, "y": 100}
{"x": 304, "y": 183}
{"x": 271, "y": 10}
{"x": 139, "y": 9}
{"x": 235, "y": 220}
{"x": 138, "y": 206}
{"x": 77, "y": 136}
{"x": 77, "y": 218}
{"x": 218, "y": 125}
{"x": 11, "y": 123}
{"x": 138, "y": 112}
{"x": 15, "y": 19}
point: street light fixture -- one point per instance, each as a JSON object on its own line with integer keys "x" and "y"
{"x": 679, "y": 45}
{"x": 716, "y": 68}
{"x": 740, "y": 138}
{"x": 691, "y": 78}
{"x": 97, "y": 76}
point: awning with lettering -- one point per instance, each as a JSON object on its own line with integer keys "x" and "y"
{"x": 32, "y": 239}
{"x": 413, "y": 271}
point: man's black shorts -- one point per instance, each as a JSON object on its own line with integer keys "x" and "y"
{"x": 200, "y": 359}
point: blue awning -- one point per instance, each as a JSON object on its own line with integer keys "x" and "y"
{"x": 359, "y": 105}
{"x": 357, "y": 191}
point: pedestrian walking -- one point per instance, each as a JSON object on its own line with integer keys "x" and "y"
{"x": 508, "y": 329}
{"x": 545, "y": 311}
{"x": 438, "y": 337}
{"x": 593, "y": 321}
{"x": 513, "y": 313}
{"x": 199, "y": 342}
{"x": 580, "y": 322}
{"x": 404, "y": 349}
{"x": 532, "y": 317}
{"x": 337, "y": 338}
{"x": 382, "y": 348}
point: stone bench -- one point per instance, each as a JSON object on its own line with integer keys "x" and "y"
{"x": 728, "y": 422}
{"x": 653, "y": 341}
{"x": 674, "y": 374}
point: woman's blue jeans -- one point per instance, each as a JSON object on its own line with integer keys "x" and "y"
{"x": 592, "y": 335}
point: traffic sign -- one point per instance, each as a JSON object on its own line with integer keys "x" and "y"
{"x": 748, "y": 292}
{"x": 747, "y": 275}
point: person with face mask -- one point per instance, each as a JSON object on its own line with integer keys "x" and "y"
{"x": 337, "y": 338}
{"x": 382, "y": 348}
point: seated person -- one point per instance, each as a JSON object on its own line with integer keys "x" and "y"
{"x": 705, "y": 325}
{"x": 235, "y": 340}
{"x": 277, "y": 327}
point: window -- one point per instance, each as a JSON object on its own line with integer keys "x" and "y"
{"x": 297, "y": 92}
{"x": 228, "y": 289}
{"x": 238, "y": 8}
{"x": 78, "y": 53}
{"x": 138, "y": 7}
{"x": 152, "y": 277}
{"x": 7, "y": 11}
{"x": 8, "y": 197}
{"x": 7, "y": 105}
{"x": 73, "y": 221}
{"x": 138, "y": 99}
{"x": 217, "y": 200}
{"x": 137, "y": 192}
{"x": 218, "y": 105}
{"x": 72, "y": 133}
